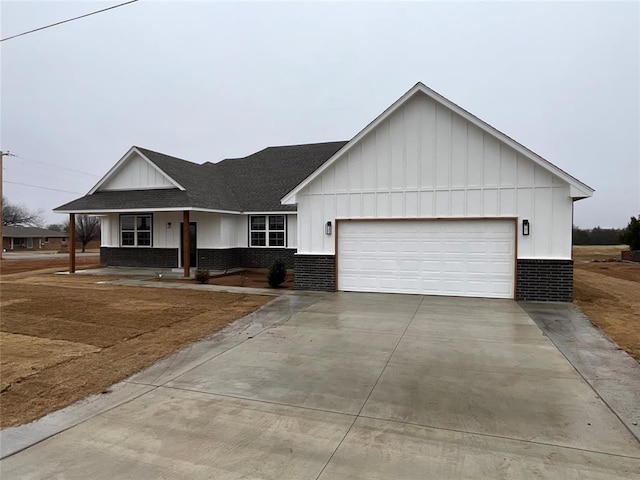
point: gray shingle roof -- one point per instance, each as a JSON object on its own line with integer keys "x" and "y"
{"x": 260, "y": 180}
{"x": 202, "y": 189}
{"x": 249, "y": 184}
{"x": 24, "y": 232}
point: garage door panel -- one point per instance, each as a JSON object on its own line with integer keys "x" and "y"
{"x": 408, "y": 266}
{"x": 502, "y": 268}
{"x": 501, "y": 247}
{"x": 453, "y": 257}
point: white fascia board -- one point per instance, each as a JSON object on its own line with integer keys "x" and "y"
{"x": 551, "y": 257}
{"x": 146, "y": 210}
{"x": 574, "y": 183}
{"x": 290, "y": 212}
{"x": 122, "y": 161}
{"x": 579, "y": 193}
{"x": 577, "y": 186}
{"x": 137, "y": 189}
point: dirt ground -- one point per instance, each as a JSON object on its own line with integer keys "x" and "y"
{"x": 42, "y": 262}
{"x": 64, "y": 337}
{"x": 608, "y": 292}
{"x": 255, "y": 278}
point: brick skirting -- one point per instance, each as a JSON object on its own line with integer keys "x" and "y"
{"x": 217, "y": 258}
{"x": 139, "y": 257}
{"x": 224, "y": 258}
{"x": 545, "y": 280}
{"x": 315, "y": 272}
{"x": 264, "y": 257}
{"x": 211, "y": 259}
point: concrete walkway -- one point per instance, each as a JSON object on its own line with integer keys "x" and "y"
{"x": 349, "y": 386}
{"x": 611, "y": 372}
{"x": 148, "y": 277}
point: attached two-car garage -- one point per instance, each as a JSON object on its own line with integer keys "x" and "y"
{"x": 469, "y": 258}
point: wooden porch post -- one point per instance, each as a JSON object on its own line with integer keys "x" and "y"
{"x": 72, "y": 243}
{"x": 186, "y": 250}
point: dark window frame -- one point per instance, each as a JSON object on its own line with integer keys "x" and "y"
{"x": 135, "y": 230}
{"x": 267, "y": 230}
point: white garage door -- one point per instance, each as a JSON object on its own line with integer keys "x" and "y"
{"x": 469, "y": 258}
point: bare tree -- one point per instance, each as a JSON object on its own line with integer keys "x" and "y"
{"x": 58, "y": 227}
{"x": 18, "y": 215}
{"x": 87, "y": 229}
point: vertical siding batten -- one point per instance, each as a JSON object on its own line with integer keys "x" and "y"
{"x": 424, "y": 161}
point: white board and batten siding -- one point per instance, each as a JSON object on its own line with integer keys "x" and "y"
{"x": 473, "y": 258}
{"x": 425, "y": 161}
{"x": 137, "y": 174}
{"x": 214, "y": 230}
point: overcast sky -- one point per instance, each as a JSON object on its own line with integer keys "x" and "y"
{"x": 205, "y": 81}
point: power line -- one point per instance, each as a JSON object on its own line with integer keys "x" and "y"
{"x": 57, "y": 167}
{"x": 68, "y": 20}
{"x": 43, "y": 188}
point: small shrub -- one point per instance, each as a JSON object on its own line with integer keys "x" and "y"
{"x": 202, "y": 275}
{"x": 277, "y": 273}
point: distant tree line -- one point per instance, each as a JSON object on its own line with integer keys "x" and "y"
{"x": 596, "y": 236}
{"x": 630, "y": 235}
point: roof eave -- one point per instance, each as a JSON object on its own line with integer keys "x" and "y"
{"x": 577, "y": 193}
{"x": 106, "y": 211}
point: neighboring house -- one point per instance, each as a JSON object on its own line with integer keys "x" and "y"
{"x": 32, "y": 238}
{"x": 425, "y": 199}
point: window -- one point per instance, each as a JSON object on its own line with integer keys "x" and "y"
{"x": 267, "y": 231}
{"x": 135, "y": 230}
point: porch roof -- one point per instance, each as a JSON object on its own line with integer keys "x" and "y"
{"x": 255, "y": 183}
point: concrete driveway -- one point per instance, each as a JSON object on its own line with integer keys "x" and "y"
{"x": 342, "y": 385}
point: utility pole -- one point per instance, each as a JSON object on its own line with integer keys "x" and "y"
{"x": 2, "y": 155}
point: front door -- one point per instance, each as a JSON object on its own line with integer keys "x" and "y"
{"x": 193, "y": 244}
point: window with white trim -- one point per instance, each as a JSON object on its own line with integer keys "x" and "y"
{"x": 267, "y": 231}
{"x": 135, "y": 230}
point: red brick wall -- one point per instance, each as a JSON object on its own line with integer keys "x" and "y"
{"x": 54, "y": 244}
{"x": 631, "y": 256}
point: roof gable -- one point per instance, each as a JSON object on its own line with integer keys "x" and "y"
{"x": 136, "y": 171}
{"x": 577, "y": 189}
{"x": 251, "y": 184}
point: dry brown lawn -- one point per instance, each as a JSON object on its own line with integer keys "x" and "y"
{"x": 608, "y": 292}
{"x": 64, "y": 337}
{"x": 44, "y": 262}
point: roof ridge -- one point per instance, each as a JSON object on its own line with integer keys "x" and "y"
{"x": 315, "y": 144}
{"x": 171, "y": 157}
{"x": 305, "y": 144}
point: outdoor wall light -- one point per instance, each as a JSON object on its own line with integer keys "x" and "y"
{"x": 168, "y": 224}
{"x": 327, "y": 228}
{"x": 525, "y": 227}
